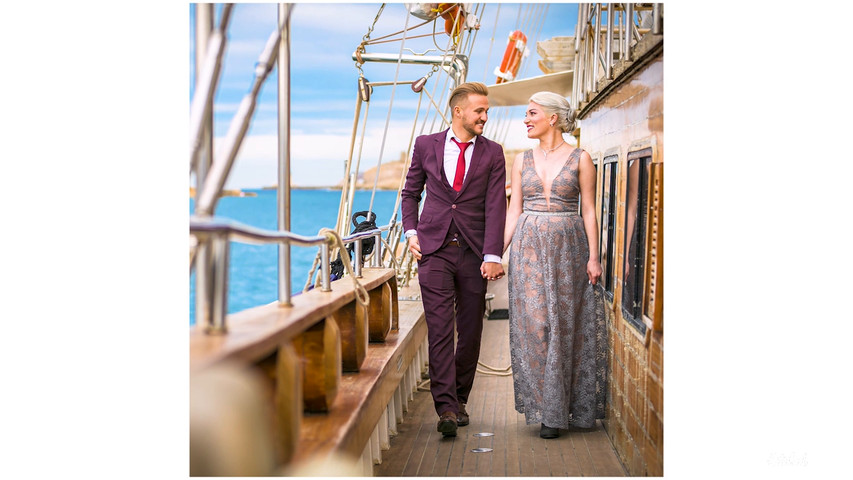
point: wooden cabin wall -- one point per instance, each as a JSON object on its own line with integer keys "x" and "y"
{"x": 629, "y": 119}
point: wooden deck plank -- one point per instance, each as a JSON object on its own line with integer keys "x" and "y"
{"x": 511, "y": 468}
{"x": 494, "y": 409}
{"x": 581, "y": 453}
{"x": 517, "y": 448}
{"x": 525, "y": 447}
{"x": 405, "y": 452}
{"x": 420, "y": 433}
{"x": 541, "y": 467}
{"x": 405, "y": 444}
{"x": 442, "y": 447}
{"x": 556, "y": 464}
{"x": 601, "y": 453}
{"x": 489, "y": 422}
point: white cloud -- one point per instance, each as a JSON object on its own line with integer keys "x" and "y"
{"x": 319, "y": 159}
{"x": 340, "y": 19}
{"x": 316, "y": 159}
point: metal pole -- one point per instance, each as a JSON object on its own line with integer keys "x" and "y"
{"x": 203, "y": 292}
{"x": 283, "y": 189}
{"x": 356, "y": 260}
{"x": 609, "y": 64}
{"x": 622, "y": 33}
{"x": 203, "y": 29}
{"x": 629, "y": 29}
{"x": 224, "y": 160}
{"x": 219, "y": 249}
{"x": 577, "y": 78}
{"x": 203, "y": 267}
{"x": 324, "y": 267}
{"x": 596, "y": 49}
{"x": 587, "y": 64}
{"x": 377, "y": 250}
{"x": 207, "y": 77}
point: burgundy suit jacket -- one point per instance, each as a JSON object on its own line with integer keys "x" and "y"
{"x": 478, "y": 209}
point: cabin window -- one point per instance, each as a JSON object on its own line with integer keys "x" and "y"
{"x": 636, "y": 222}
{"x": 608, "y": 223}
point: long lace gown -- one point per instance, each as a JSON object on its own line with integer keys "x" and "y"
{"x": 558, "y": 336}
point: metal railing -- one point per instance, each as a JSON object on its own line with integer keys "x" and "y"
{"x": 211, "y": 237}
{"x": 627, "y": 24}
{"x": 209, "y": 253}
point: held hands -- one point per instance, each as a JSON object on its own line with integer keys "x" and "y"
{"x": 492, "y": 270}
{"x": 593, "y": 270}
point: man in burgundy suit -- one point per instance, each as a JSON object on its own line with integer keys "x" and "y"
{"x": 458, "y": 242}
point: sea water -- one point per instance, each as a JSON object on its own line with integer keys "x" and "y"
{"x": 253, "y": 270}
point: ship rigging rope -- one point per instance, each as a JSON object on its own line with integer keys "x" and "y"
{"x": 398, "y": 228}
{"x": 498, "y": 372}
{"x": 388, "y": 117}
{"x": 334, "y": 240}
{"x": 501, "y": 372}
{"x": 491, "y": 44}
{"x": 385, "y": 38}
{"x": 527, "y": 20}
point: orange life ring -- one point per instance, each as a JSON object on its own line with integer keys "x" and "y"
{"x": 512, "y": 57}
{"x": 448, "y": 13}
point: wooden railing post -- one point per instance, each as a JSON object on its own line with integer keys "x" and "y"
{"x": 379, "y": 314}
{"x": 352, "y": 320}
{"x": 320, "y": 349}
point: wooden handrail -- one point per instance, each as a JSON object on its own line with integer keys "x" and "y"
{"x": 257, "y": 332}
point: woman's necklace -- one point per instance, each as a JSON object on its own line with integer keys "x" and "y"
{"x": 545, "y": 154}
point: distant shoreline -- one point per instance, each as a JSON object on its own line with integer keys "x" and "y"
{"x": 333, "y": 187}
{"x": 251, "y": 192}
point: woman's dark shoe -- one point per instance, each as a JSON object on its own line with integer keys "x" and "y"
{"x": 549, "y": 432}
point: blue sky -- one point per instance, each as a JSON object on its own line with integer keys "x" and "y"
{"x": 324, "y": 79}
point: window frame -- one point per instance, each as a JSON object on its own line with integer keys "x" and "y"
{"x": 608, "y": 225}
{"x": 636, "y": 314}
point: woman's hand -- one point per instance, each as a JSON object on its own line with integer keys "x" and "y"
{"x": 593, "y": 270}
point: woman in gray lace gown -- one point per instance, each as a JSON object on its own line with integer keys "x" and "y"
{"x": 557, "y": 330}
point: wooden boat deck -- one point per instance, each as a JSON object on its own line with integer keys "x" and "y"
{"x": 419, "y": 450}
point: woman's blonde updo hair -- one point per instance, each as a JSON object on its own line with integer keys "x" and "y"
{"x": 553, "y": 103}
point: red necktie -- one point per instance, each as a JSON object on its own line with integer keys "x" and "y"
{"x": 460, "y": 165}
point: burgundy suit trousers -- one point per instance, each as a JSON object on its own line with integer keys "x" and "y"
{"x": 453, "y": 292}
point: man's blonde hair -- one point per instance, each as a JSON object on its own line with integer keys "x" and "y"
{"x": 464, "y": 90}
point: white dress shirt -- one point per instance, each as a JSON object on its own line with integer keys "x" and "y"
{"x": 451, "y": 156}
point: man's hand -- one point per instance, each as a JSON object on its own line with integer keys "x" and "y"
{"x": 492, "y": 270}
{"x": 415, "y": 247}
